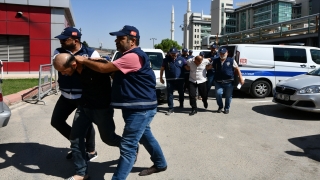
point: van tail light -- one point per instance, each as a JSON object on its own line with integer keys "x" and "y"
{"x": 237, "y": 56}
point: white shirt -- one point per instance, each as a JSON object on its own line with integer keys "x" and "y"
{"x": 198, "y": 73}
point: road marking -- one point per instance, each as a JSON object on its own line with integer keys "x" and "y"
{"x": 257, "y": 101}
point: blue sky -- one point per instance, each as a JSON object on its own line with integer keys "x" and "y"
{"x": 97, "y": 18}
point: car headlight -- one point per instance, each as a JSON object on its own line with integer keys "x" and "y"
{"x": 310, "y": 90}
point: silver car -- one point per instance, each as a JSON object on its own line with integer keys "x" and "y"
{"x": 5, "y": 112}
{"x": 300, "y": 92}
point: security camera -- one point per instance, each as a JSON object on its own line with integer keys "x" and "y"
{"x": 19, "y": 14}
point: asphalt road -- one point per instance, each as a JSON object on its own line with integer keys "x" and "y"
{"x": 257, "y": 140}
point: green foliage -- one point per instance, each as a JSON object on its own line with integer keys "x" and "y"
{"x": 166, "y": 44}
{"x": 85, "y": 43}
{"x": 11, "y": 86}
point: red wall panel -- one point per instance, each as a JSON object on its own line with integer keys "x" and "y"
{"x": 36, "y": 61}
{"x": 40, "y": 47}
{"x": 39, "y": 14}
{"x": 3, "y": 12}
{"x": 40, "y": 31}
{"x": 3, "y": 27}
{"x": 17, "y": 28}
{"x": 12, "y": 12}
{"x": 18, "y": 66}
{"x": 5, "y": 66}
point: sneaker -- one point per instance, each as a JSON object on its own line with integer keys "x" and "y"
{"x": 91, "y": 157}
{"x": 169, "y": 112}
{"x": 219, "y": 110}
{"x": 69, "y": 156}
{"x": 226, "y": 111}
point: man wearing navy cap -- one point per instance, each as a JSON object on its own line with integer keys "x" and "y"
{"x": 174, "y": 70}
{"x": 210, "y": 73}
{"x": 190, "y": 54}
{"x": 134, "y": 92}
{"x": 71, "y": 89}
{"x": 225, "y": 68}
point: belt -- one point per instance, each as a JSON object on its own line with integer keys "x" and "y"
{"x": 70, "y": 96}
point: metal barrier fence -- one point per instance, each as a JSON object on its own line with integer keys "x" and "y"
{"x": 47, "y": 76}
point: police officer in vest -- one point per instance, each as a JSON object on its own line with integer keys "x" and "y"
{"x": 71, "y": 88}
{"x": 174, "y": 70}
{"x": 185, "y": 55}
{"x": 190, "y": 54}
{"x": 210, "y": 73}
{"x": 133, "y": 91}
{"x": 225, "y": 68}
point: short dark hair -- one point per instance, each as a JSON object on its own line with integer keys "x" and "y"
{"x": 70, "y": 59}
{"x": 132, "y": 37}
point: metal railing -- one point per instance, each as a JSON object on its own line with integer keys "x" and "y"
{"x": 47, "y": 76}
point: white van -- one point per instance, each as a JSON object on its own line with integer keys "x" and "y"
{"x": 156, "y": 57}
{"x": 197, "y": 52}
{"x": 263, "y": 66}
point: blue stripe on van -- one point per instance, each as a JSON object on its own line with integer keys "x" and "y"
{"x": 270, "y": 73}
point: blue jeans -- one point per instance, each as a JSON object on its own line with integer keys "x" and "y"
{"x": 84, "y": 117}
{"x": 137, "y": 129}
{"x": 175, "y": 84}
{"x": 227, "y": 89}
{"x": 210, "y": 80}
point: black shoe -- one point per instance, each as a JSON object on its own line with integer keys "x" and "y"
{"x": 193, "y": 112}
{"x": 69, "y": 156}
{"x": 205, "y": 104}
{"x": 91, "y": 157}
{"x": 226, "y": 111}
{"x": 219, "y": 110}
{"x": 151, "y": 170}
{"x": 169, "y": 112}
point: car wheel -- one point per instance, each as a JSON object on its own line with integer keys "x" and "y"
{"x": 260, "y": 89}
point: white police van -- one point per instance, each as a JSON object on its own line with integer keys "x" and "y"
{"x": 156, "y": 57}
{"x": 263, "y": 66}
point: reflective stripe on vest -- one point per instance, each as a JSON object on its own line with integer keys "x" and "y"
{"x": 134, "y": 104}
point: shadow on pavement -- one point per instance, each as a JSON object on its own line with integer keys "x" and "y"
{"x": 278, "y": 111}
{"x": 39, "y": 158}
{"x": 310, "y": 146}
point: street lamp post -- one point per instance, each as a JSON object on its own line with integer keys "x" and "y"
{"x": 153, "y": 41}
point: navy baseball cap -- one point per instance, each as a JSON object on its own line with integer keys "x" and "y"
{"x": 223, "y": 50}
{"x": 190, "y": 51}
{"x": 201, "y": 53}
{"x": 127, "y": 30}
{"x": 184, "y": 50}
{"x": 69, "y": 32}
{"x": 173, "y": 50}
{"x": 213, "y": 46}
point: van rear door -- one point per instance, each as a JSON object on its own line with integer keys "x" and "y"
{"x": 289, "y": 62}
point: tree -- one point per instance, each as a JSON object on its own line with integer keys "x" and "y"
{"x": 85, "y": 43}
{"x": 166, "y": 44}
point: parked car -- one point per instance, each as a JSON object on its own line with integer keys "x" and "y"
{"x": 300, "y": 92}
{"x": 156, "y": 56}
{"x": 5, "y": 112}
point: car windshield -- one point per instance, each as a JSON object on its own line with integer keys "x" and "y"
{"x": 155, "y": 59}
{"x": 315, "y": 55}
{"x": 315, "y": 72}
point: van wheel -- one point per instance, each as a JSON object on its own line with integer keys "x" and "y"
{"x": 260, "y": 89}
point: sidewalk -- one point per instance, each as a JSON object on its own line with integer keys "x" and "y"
{"x": 12, "y": 99}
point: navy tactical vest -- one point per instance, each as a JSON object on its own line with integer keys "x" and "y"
{"x": 72, "y": 84}
{"x": 174, "y": 69}
{"x": 224, "y": 73}
{"x": 135, "y": 90}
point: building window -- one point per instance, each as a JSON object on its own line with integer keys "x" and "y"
{"x": 14, "y": 48}
{"x": 195, "y": 30}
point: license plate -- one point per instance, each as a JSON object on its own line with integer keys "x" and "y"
{"x": 283, "y": 97}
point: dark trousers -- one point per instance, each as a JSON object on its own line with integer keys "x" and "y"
{"x": 186, "y": 81}
{"x": 171, "y": 85}
{"x": 202, "y": 90}
{"x": 83, "y": 118}
{"x": 63, "y": 108}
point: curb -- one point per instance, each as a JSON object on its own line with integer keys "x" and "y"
{"x": 26, "y": 94}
